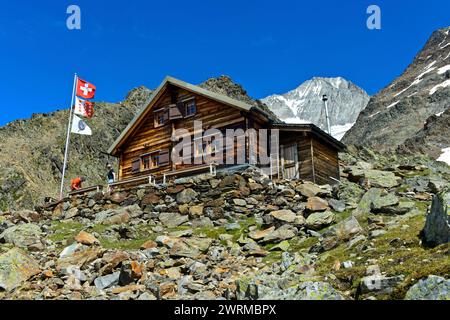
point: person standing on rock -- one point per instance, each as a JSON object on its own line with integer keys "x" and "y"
{"x": 76, "y": 183}
{"x": 111, "y": 174}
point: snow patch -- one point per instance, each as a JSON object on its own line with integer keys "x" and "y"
{"x": 296, "y": 120}
{"x": 439, "y": 114}
{"x": 392, "y": 104}
{"x": 339, "y": 131}
{"x": 444, "y": 84}
{"x": 412, "y": 84}
{"x": 373, "y": 115}
{"x": 445, "y": 156}
{"x": 443, "y": 69}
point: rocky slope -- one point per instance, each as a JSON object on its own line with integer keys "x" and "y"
{"x": 398, "y": 112}
{"x": 236, "y": 236}
{"x": 432, "y": 139}
{"x": 304, "y": 104}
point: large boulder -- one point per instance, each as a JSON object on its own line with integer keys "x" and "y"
{"x": 341, "y": 232}
{"x": 309, "y": 189}
{"x": 284, "y": 215}
{"x": 375, "y": 178}
{"x": 24, "y": 235}
{"x": 431, "y": 288}
{"x": 304, "y": 291}
{"x": 437, "y": 225}
{"x": 118, "y": 216}
{"x": 320, "y": 220}
{"x": 15, "y": 268}
{"x": 379, "y": 283}
{"x": 172, "y": 219}
{"x": 350, "y": 192}
{"x": 316, "y": 204}
{"x": 190, "y": 247}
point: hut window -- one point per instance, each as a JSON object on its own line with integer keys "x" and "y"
{"x": 191, "y": 108}
{"x": 160, "y": 118}
{"x": 150, "y": 161}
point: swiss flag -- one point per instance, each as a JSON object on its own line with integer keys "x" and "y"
{"x": 85, "y": 89}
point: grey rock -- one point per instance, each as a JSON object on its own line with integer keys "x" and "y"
{"x": 337, "y": 205}
{"x": 437, "y": 225}
{"x": 172, "y": 219}
{"x": 379, "y": 283}
{"x": 232, "y": 226}
{"x": 430, "y": 288}
{"x": 15, "y": 268}
{"x": 186, "y": 196}
{"x": 107, "y": 281}
{"x": 319, "y": 220}
{"x": 284, "y": 215}
{"x": 75, "y": 272}
{"x": 23, "y": 235}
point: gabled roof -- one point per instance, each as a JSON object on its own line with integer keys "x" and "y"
{"x": 184, "y": 85}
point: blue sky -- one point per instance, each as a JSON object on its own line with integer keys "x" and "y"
{"x": 267, "y": 46}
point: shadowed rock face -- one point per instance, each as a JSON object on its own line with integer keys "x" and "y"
{"x": 431, "y": 139}
{"x": 398, "y": 112}
{"x": 437, "y": 226}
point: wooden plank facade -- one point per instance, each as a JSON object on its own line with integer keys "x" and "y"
{"x": 146, "y": 145}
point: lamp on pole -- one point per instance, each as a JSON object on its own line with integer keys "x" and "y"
{"x": 325, "y": 99}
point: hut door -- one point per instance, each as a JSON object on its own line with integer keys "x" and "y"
{"x": 290, "y": 161}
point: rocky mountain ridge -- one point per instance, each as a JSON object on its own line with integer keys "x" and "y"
{"x": 395, "y": 117}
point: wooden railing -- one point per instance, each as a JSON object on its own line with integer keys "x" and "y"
{"x": 96, "y": 188}
{"x": 149, "y": 179}
{"x": 195, "y": 169}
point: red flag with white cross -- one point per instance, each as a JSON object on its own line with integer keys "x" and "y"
{"x": 85, "y": 89}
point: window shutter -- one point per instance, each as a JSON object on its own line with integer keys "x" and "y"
{"x": 164, "y": 158}
{"x": 182, "y": 108}
{"x": 136, "y": 165}
{"x": 174, "y": 112}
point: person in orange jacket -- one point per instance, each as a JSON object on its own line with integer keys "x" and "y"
{"x": 76, "y": 183}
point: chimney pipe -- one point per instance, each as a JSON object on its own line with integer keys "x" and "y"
{"x": 325, "y": 99}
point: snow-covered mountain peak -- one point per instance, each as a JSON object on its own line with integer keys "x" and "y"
{"x": 304, "y": 104}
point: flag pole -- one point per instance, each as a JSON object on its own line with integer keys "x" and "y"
{"x": 66, "y": 150}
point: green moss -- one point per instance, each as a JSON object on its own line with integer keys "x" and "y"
{"x": 272, "y": 257}
{"x": 64, "y": 230}
{"x": 298, "y": 244}
{"x": 404, "y": 256}
{"x": 421, "y": 206}
{"x": 212, "y": 233}
{"x": 423, "y": 173}
{"x": 122, "y": 244}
